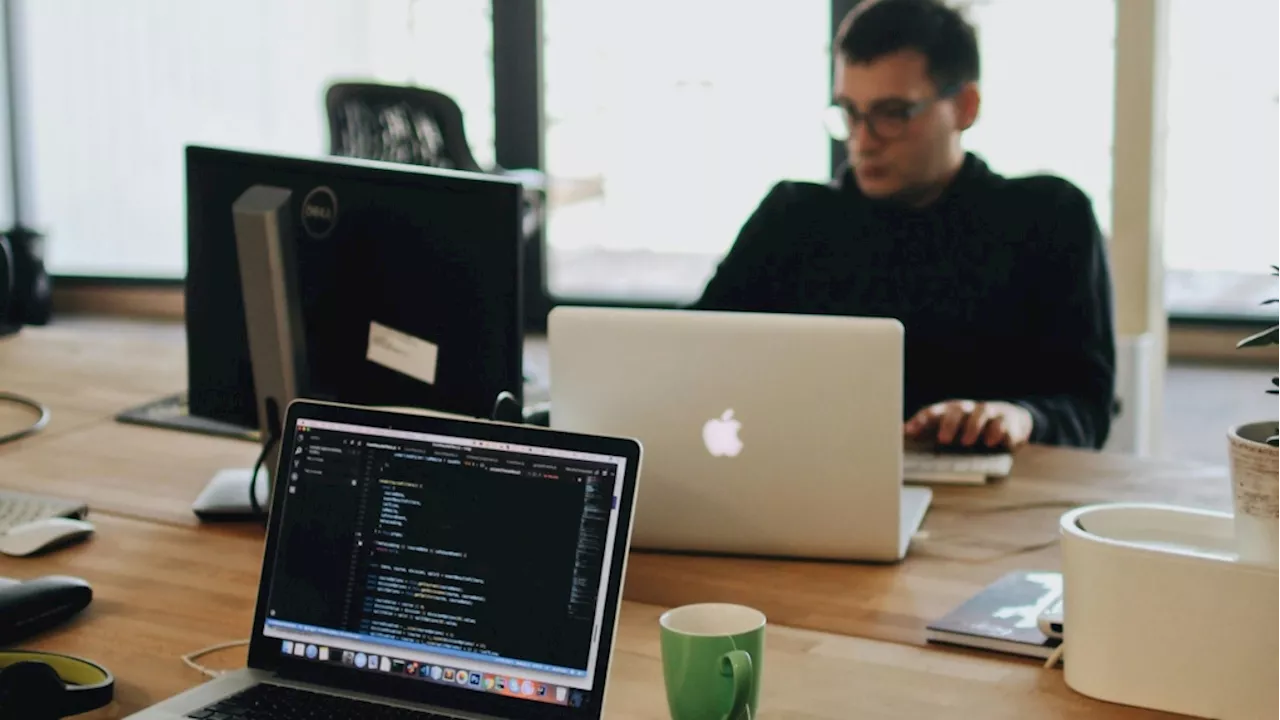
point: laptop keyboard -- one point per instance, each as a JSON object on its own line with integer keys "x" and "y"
{"x": 273, "y": 702}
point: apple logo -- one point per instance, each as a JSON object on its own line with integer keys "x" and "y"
{"x": 721, "y": 435}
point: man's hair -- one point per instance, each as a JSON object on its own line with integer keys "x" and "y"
{"x": 875, "y": 28}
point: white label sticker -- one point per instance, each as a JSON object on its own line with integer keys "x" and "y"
{"x": 403, "y": 353}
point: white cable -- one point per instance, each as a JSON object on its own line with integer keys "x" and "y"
{"x": 998, "y": 550}
{"x": 41, "y": 410}
{"x": 190, "y": 658}
{"x": 1056, "y": 656}
{"x": 995, "y": 551}
{"x": 965, "y": 509}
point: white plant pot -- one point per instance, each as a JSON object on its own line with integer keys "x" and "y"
{"x": 1255, "y": 485}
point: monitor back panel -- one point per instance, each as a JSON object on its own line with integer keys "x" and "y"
{"x": 410, "y": 282}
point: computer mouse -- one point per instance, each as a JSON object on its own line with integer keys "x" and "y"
{"x": 36, "y": 536}
{"x": 36, "y": 605}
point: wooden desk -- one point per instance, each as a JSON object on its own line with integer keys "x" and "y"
{"x": 164, "y": 591}
{"x": 976, "y": 533}
{"x": 159, "y": 592}
{"x": 92, "y": 369}
{"x": 88, "y": 370}
{"x": 152, "y": 579}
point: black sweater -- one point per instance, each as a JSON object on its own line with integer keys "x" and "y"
{"x": 1002, "y": 285}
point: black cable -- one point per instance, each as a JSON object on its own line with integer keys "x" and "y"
{"x": 34, "y": 427}
{"x": 506, "y": 408}
{"x": 253, "y": 479}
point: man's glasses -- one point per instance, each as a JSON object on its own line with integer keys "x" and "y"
{"x": 886, "y": 120}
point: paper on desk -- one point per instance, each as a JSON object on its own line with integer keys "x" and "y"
{"x": 402, "y": 352}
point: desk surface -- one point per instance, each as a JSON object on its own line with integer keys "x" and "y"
{"x": 976, "y": 533}
{"x": 163, "y": 591}
{"x": 172, "y": 588}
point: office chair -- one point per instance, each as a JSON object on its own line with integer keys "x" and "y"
{"x": 416, "y": 126}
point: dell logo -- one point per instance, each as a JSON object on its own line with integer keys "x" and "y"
{"x": 320, "y": 212}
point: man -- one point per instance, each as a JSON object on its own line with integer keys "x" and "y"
{"x": 1002, "y": 284}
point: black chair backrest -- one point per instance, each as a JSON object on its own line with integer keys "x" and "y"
{"x": 397, "y": 124}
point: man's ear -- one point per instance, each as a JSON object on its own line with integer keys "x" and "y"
{"x": 967, "y": 102}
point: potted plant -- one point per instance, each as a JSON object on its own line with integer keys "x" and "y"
{"x": 1255, "y": 472}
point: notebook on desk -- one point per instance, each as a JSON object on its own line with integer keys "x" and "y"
{"x": 1004, "y": 617}
{"x": 426, "y": 567}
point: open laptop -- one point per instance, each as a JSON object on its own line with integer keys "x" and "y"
{"x": 426, "y": 567}
{"x": 764, "y": 434}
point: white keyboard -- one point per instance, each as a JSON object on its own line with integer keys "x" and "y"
{"x": 960, "y": 468}
{"x": 17, "y": 508}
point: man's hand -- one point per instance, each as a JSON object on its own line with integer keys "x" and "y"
{"x": 969, "y": 422}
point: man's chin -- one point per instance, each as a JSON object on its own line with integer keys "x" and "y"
{"x": 878, "y": 188}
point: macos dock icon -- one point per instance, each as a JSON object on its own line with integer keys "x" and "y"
{"x": 720, "y": 435}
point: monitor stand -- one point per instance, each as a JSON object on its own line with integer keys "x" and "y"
{"x": 273, "y": 320}
{"x": 226, "y": 496}
{"x": 173, "y": 412}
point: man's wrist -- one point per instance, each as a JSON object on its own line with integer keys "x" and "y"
{"x": 1035, "y": 419}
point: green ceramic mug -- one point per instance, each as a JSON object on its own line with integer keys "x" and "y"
{"x": 712, "y": 655}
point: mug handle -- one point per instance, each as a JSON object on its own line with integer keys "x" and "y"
{"x": 737, "y": 665}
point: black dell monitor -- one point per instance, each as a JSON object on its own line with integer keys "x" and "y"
{"x": 409, "y": 281}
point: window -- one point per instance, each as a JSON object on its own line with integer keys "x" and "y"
{"x": 1048, "y": 85}
{"x": 666, "y": 124}
{"x": 1222, "y": 174}
{"x": 657, "y": 158}
{"x": 112, "y": 91}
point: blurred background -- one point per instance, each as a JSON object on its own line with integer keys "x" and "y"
{"x": 662, "y": 123}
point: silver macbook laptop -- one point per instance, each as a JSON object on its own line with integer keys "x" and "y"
{"x": 764, "y": 434}
{"x": 424, "y": 567}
